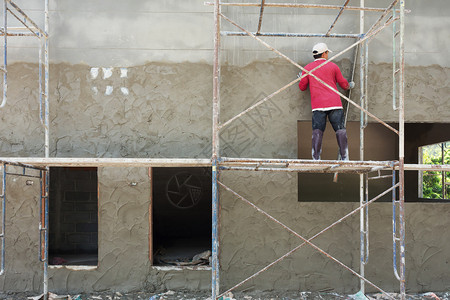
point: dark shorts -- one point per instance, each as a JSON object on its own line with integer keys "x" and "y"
{"x": 336, "y": 117}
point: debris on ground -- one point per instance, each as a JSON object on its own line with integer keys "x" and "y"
{"x": 206, "y": 295}
{"x": 201, "y": 259}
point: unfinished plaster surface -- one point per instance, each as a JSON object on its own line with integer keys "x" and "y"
{"x": 164, "y": 110}
{"x": 124, "y": 263}
{"x": 250, "y": 241}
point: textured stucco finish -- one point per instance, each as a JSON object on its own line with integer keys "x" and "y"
{"x": 167, "y": 113}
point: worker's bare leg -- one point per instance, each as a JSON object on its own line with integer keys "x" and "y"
{"x": 341, "y": 136}
{"x": 317, "y": 136}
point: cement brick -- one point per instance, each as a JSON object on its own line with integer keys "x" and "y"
{"x": 76, "y": 238}
{"x": 67, "y": 206}
{"x": 87, "y": 248}
{"x": 91, "y": 207}
{"x": 86, "y": 185}
{"x": 77, "y": 196}
{"x": 77, "y": 217}
{"x": 87, "y": 227}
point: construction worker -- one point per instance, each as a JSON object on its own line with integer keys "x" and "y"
{"x": 324, "y": 101}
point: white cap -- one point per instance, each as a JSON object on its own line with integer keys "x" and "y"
{"x": 320, "y": 48}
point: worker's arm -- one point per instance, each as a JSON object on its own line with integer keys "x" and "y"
{"x": 303, "y": 84}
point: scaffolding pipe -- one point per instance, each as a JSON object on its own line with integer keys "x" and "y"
{"x": 215, "y": 288}
{"x": 24, "y": 24}
{"x": 395, "y": 238}
{"x": 384, "y": 14}
{"x": 46, "y": 82}
{"x": 2, "y": 236}
{"x": 338, "y": 16}
{"x": 5, "y": 52}
{"x": 306, "y": 241}
{"x": 299, "y": 5}
{"x": 394, "y": 64}
{"x": 43, "y": 32}
{"x": 291, "y": 34}
{"x": 361, "y": 155}
{"x": 402, "y": 151}
{"x": 261, "y": 11}
{"x": 299, "y": 170}
{"x": 43, "y": 229}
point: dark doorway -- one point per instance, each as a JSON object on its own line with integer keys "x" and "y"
{"x": 181, "y": 216}
{"x": 73, "y": 216}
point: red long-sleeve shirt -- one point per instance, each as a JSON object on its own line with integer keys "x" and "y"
{"x": 322, "y": 97}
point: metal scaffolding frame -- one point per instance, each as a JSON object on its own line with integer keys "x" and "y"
{"x": 388, "y": 17}
{"x": 217, "y": 163}
{"x": 29, "y": 29}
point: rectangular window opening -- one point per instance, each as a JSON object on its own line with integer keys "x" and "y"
{"x": 181, "y": 216}
{"x": 73, "y": 216}
{"x": 434, "y": 184}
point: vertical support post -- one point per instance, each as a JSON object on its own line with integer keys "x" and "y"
{"x": 47, "y": 142}
{"x": 46, "y": 82}
{"x": 43, "y": 228}
{"x": 361, "y": 151}
{"x": 402, "y": 151}
{"x": 5, "y": 52}
{"x": 3, "y": 199}
{"x": 215, "y": 154}
{"x": 394, "y": 62}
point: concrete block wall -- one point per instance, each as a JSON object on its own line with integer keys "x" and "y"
{"x": 74, "y": 211}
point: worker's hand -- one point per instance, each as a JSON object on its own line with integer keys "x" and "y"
{"x": 351, "y": 85}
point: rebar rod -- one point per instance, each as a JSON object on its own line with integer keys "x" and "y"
{"x": 306, "y": 73}
{"x": 44, "y": 33}
{"x": 291, "y": 34}
{"x": 299, "y": 5}
{"x": 337, "y": 17}
{"x": 261, "y": 11}
{"x": 305, "y": 241}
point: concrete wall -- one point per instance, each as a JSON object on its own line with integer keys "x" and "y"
{"x": 117, "y": 33}
{"x": 143, "y": 89}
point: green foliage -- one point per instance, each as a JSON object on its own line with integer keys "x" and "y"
{"x": 432, "y": 181}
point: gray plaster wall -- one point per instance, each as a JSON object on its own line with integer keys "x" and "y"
{"x": 117, "y": 33}
{"x": 144, "y": 89}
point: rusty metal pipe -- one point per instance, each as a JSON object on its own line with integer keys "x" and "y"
{"x": 337, "y": 17}
{"x": 299, "y": 5}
